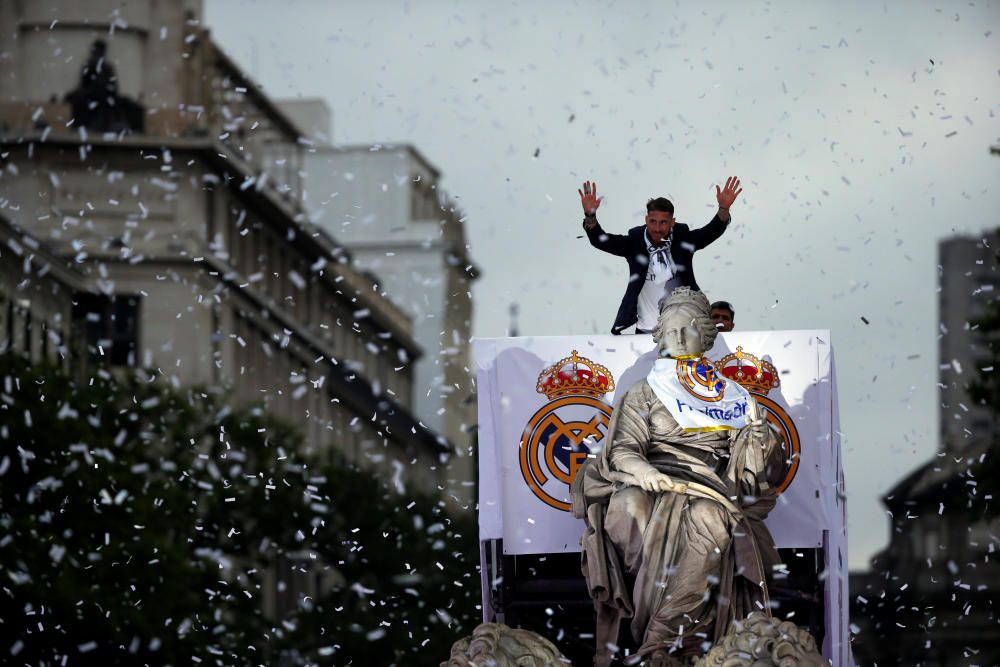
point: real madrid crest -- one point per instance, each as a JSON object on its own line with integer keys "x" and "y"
{"x": 759, "y": 377}
{"x": 558, "y": 438}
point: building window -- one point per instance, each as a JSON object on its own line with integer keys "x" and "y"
{"x": 424, "y": 203}
{"x": 45, "y": 341}
{"x": 28, "y": 331}
{"x": 110, "y": 327}
{"x": 6, "y": 323}
{"x": 17, "y": 333}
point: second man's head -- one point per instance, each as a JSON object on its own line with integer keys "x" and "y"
{"x": 723, "y": 315}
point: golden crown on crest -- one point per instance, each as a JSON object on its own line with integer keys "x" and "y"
{"x": 575, "y": 376}
{"x": 753, "y": 374}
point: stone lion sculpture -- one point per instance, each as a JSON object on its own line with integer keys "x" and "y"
{"x": 497, "y": 645}
{"x": 764, "y": 641}
{"x": 756, "y": 641}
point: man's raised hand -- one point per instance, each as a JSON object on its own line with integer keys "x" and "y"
{"x": 726, "y": 196}
{"x": 588, "y": 197}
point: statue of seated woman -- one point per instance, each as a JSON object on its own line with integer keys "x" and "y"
{"x": 674, "y": 503}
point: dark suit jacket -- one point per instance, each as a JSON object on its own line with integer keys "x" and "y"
{"x": 633, "y": 248}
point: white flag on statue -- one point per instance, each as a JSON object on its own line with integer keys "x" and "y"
{"x": 699, "y": 398}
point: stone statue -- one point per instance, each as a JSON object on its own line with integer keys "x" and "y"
{"x": 764, "y": 641}
{"x": 497, "y": 645}
{"x": 95, "y": 101}
{"x": 674, "y": 503}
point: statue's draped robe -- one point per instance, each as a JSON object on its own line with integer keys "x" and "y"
{"x": 681, "y": 566}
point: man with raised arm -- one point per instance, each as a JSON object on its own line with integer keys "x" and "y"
{"x": 660, "y": 253}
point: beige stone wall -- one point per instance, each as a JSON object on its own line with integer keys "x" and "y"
{"x": 212, "y": 267}
{"x": 176, "y": 323}
{"x": 384, "y": 203}
{"x": 265, "y": 366}
{"x": 136, "y": 212}
{"x": 456, "y": 355}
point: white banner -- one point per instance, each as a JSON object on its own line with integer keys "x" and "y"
{"x": 532, "y": 442}
{"x": 545, "y": 402}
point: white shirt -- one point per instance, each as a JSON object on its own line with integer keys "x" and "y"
{"x": 661, "y": 269}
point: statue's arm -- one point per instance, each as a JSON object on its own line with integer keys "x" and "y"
{"x": 764, "y": 434}
{"x": 763, "y": 448}
{"x": 630, "y": 440}
{"x": 629, "y": 434}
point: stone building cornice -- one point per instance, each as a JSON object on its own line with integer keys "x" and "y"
{"x": 468, "y": 267}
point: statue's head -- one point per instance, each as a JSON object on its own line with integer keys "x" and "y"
{"x": 685, "y": 327}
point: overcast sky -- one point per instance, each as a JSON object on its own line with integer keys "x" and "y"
{"x": 861, "y": 131}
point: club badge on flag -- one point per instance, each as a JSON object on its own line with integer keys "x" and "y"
{"x": 559, "y": 436}
{"x": 699, "y": 398}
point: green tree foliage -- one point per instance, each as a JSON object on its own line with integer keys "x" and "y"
{"x": 140, "y": 524}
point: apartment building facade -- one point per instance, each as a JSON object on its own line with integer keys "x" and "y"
{"x": 185, "y": 225}
{"x": 385, "y": 203}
